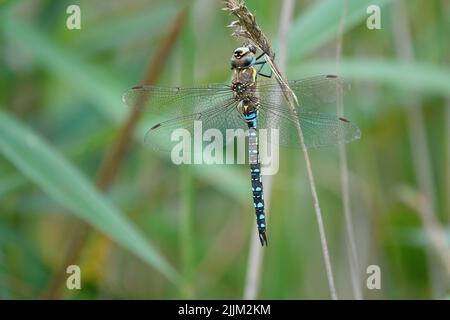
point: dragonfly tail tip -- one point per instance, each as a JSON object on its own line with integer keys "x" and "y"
{"x": 263, "y": 238}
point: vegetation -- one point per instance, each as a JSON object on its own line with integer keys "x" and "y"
{"x": 74, "y": 188}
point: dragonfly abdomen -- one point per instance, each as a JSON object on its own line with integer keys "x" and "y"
{"x": 257, "y": 186}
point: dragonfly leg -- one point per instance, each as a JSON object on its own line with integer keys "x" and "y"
{"x": 260, "y": 56}
{"x": 265, "y": 75}
{"x": 261, "y": 65}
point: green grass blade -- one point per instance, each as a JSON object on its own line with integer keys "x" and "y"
{"x": 83, "y": 78}
{"x": 131, "y": 26}
{"x": 320, "y": 24}
{"x": 99, "y": 86}
{"x": 421, "y": 77}
{"x": 65, "y": 184}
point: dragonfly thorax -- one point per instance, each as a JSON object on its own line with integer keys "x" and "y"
{"x": 243, "y": 83}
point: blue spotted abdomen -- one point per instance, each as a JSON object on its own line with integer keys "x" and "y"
{"x": 257, "y": 186}
{"x": 258, "y": 200}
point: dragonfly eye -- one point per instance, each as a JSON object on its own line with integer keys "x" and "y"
{"x": 247, "y": 61}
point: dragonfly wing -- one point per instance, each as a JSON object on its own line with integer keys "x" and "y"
{"x": 172, "y": 108}
{"x": 313, "y": 93}
{"x": 319, "y": 129}
{"x": 204, "y": 127}
{"x": 176, "y": 101}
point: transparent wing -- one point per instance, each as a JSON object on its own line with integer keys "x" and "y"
{"x": 176, "y": 101}
{"x": 198, "y": 129}
{"x": 214, "y": 107}
{"x": 319, "y": 129}
{"x": 175, "y": 112}
{"x": 313, "y": 93}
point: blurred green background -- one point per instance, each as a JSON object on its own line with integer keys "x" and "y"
{"x": 185, "y": 231}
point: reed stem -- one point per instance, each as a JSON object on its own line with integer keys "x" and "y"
{"x": 418, "y": 139}
{"x": 113, "y": 160}
{"x": 345, "y": 183}
{"x": 246, "y": 27}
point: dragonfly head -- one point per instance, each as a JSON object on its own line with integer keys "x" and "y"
{"x": 243, "y": 57}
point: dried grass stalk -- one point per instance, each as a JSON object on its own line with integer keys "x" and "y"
{"x": 247, "y": 28}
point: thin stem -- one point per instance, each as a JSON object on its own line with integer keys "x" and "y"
{"x": 416, "y": 129}
{"x": 187, "y": 181}
{"x": 318, "y": 212}
{"x": 255, "y": 258}
{"x": 445, "y": 7}
{"x": 345, "y": 184}
{"x": 433, "y": 228}
{"x": 447, "y": 158}
{"x": 113, "y": 159}
{"x": 185, "y": 73}
{"x": 254, "y": 265}
{"x": 247, "y": 27}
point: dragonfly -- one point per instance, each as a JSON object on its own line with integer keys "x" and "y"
{"x": 248, "y": 103}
